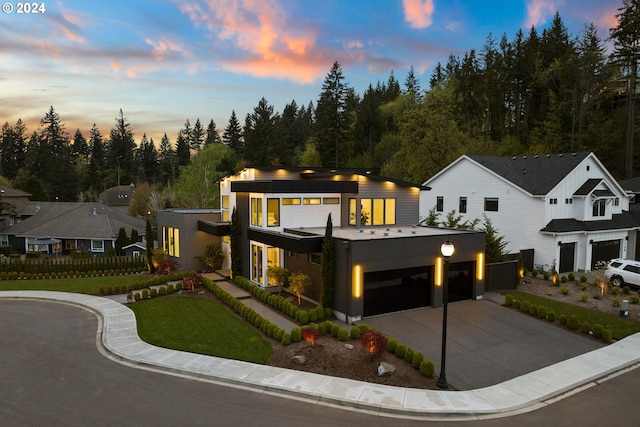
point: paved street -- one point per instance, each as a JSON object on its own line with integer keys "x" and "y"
{"x": 53, "y": 374}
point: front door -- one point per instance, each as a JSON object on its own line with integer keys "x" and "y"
{"x": 567, "y": 257}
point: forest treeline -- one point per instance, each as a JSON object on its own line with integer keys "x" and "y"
{"x": 535, "y": 93}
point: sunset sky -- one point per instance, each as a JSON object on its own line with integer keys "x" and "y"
{"x": 163, "y": 62}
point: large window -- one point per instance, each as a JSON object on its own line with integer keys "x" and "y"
{"x": 462, "y": 208}
{"x": 373, "y": 211}
{"x": 172, "y": 241}
{"x": 225, "y": 202}
{"x": 256, "y": 211}
{"x": 256, "y": 263}
{"x": 491, "y": 204}
{"x": 97, "y": 246}
{"x": 273, "y": 212}
{"x": 599, "y": 207}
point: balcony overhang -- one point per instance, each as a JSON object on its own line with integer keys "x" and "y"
{"x": 215, "y": 228}
{"x": 291, "y": 240}
{"x": 294, "y": 186}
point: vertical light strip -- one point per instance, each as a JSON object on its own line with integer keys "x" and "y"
{"x": 439, "y": 273}
{"x": 480, "y": 266}
{"x": 357, "y": 281}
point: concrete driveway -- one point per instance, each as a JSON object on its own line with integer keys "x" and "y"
{"x": 486, "y": 342}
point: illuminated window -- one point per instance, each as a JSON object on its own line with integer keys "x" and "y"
{"x": 377, "y": 211}
{"x": 311, "y": 201}
{"x": 330, "y": 200}
{"x": 273, "y": 212}
{"x": 225, "y": 216}
{"x": 256, "y": 211}
{"x": 273, "y": 256}
{"x": 353, "y": 212}
{"x": 172, "y": 241}
{"x": 287, "y": 201}
{"x": 225, "y": 202}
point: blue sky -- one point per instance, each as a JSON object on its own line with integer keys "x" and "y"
{"x": 163, "y": 62}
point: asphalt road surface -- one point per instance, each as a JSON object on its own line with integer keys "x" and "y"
{"x": 52, "y": 374}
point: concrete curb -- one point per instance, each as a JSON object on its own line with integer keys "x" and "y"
{"x": 527, "y": 392}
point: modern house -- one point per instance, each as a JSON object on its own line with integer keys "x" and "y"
{"x": 384, "y": 261}
{"x": 566, "y": 207}
{"x": 92, "y": 227}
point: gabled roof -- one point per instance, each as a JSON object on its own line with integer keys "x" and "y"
{"x": 119, "y": 195}
{"x": 74, "y": 221}
{"x": 536, "y": 174}
{"x": 586, "y": 188}
{"x": 631, "y": 185}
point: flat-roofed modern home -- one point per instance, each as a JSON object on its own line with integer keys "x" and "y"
{"x": 384, "y": 260}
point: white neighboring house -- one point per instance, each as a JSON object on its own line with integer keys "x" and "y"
{"x": 567, "y": 207}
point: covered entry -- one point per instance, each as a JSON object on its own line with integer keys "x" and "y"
{"x": 604, "y": 251}
{"x": 567, "y": 257}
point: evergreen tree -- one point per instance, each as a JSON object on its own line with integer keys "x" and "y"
{"x": 412, "y": 87}
{"x": 494, "y": 243}
{"x": 212, "y": 136}
{"x": 626, "y": 39}
{"x": 150, "y": 246}
{"x": 260, "y": 134}
{"x": 330, "y": 117}
{"x": 120, "y": 154}
{"x": 96, "y": 161}
{"x": 147, "y": 159}
{"x": 121, "y": 241}
{"x": 198, "y": 135}
{"x": 183, "y": 145}
{"x": 166, "y": 162}
{"x": 80, "y": 148}
{"x": 328, "y": 266}
{"x": 236, "y": 245}
{"x": 232, "y": 135}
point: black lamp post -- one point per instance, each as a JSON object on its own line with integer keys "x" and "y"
{"x": 446, "y": 249}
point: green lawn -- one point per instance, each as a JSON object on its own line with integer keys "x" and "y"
{"x": 81, "y": 285}
{"x": 199, "y": 325}
{"x": 620, "y": 327}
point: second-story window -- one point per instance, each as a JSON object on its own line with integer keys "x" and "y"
{"x": 491, "y": 204}
{"x": 463, "y": 205}
{"x": 256, "y": 211}
{"x": 273, "y": 212}
{"x": 439, "y": 203}
{"x": 599, "y": 207}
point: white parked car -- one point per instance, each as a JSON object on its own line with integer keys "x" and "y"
{"x": 622, "y": 272}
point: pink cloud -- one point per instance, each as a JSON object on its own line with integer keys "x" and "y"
{"x": 418, "y": 13}
{"x": 538, "y": 11}
{"x": 270, "y": 46}
{"x": 164, "y": 47}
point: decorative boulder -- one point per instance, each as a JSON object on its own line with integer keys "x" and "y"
{"x": 299, "y": 360}
{"x": 386, "y": 369}
{"x": 349, "y": 346}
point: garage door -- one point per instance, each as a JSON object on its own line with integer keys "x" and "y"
{"x": 396, "y": 290}
{"x": 604, "y": 251}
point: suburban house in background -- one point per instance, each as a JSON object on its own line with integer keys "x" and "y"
{"x": 118, "y": 197}
{"x": 384, "y": 260}
{"x": 91, "y": 226}
{"x": 14, "y": 201}
{"x": 566, "y": 207}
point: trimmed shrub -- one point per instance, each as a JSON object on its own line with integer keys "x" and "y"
{"x": 145, "y": 293}
{"x": 533, "y": 309}
{"x": 563, "y": 279}
{"x": 524, "y": 306}
{"x": 583, "y": 278}
{"x": 634, "y": 299}
{"x": 597, "y": 331}
{"x": 129, "y": 297}
{"x": 426, "y": 368}
{"x": 313, "y": 315}
{"x": 334, "y": 330}
{"x": 516, "y": 304}
{"x": 302, "y": 316}
{"x": 573, "y": 322}
{"x": 571, "y": 276}
{"x": 343, "y": 334}
{"x": 508, "y": 300}
{"x": 153, "y": 293}
{"x": 542, "y": 312}
{"x": 136, "y": 296}
{"x": 534, "y": 272}
{"x": 286, "y": 339}
{"x": 551, "y": 316}
{"x": 171, "y": 289}
{"x": 392, "y": 343}
{"x": 563, "y": 319}
{"x": 408, "y": 355}
{"x": 615, "y": 301}
{"x": 418, "y": 357}
{"x": 607, "y": 336}
{"x": 162, "y": 291}
{"x": 584, "y": 286}
{"x": 101, "y": 291}
{"x": 564, "y": 290}
{"x": 585, "y": 328}
{"x": 354, "y": 333}
{"x": 626, "y": 290}
{"x": 328, "y": 313}
{"x": 584, "y": 296}
{"x": 296, "y": 335}
{"x": 546, "y": 275}
{"x": 401, "y": 350}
